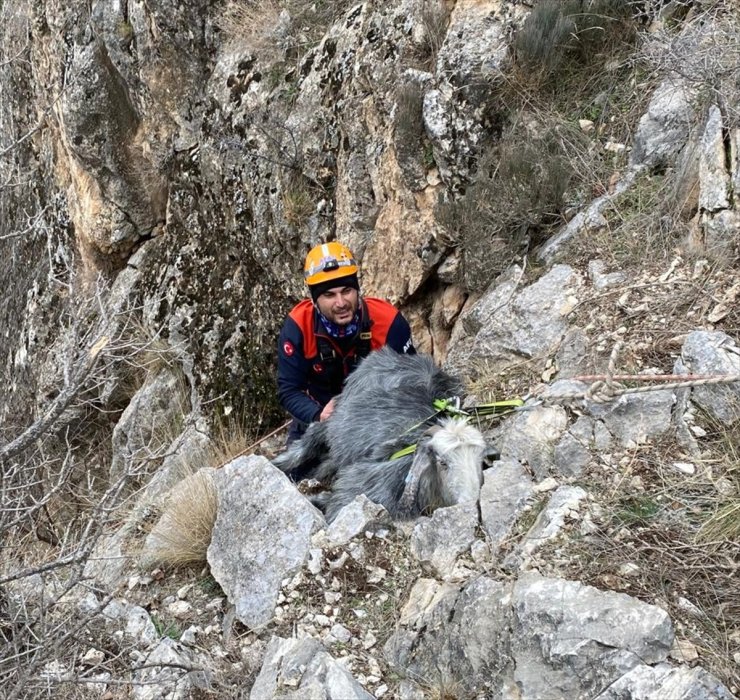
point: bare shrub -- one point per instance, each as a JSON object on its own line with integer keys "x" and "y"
{"x": 434, "y": 19}
{"x": 269, "y": 27}
{"x": 705, "y": 53}
{"x": 561, "y": 38}
{"x": 57, "y": 496}
{"x": 183, "y": 533}
{"x": 519, "y": 191}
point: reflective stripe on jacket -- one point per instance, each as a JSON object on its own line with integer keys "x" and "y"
{"x": 306, "y": 381}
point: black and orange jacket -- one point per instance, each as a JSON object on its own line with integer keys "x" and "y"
{"x": 312, "y": 366}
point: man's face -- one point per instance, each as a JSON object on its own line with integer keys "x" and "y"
{"x": 338, "y": 304}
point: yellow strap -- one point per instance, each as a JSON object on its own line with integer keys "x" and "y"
{"x": 496, "y": 406}
{"x": 452, "y": 407}
{"x": 408, "y": 450}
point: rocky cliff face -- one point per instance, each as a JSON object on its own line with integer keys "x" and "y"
{"x": 527, "y": 198}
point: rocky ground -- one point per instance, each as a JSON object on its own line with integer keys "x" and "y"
{"x": 629, "y": 496}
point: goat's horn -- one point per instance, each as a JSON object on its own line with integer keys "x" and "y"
{"x": 420, "y": 463}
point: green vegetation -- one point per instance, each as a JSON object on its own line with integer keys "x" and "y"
{"x": 166, "y": 629}
{"x": 560, "y": 39}
{"x": 637, "y": 510}
{"x": 537, "y": 165}
{"x": 298, "y": 206}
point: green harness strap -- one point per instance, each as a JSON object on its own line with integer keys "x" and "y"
{"x": 452, "y": 407}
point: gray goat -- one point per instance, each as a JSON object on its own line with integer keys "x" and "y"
{"x": 387, "y": 404}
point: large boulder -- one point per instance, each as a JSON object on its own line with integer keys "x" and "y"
{"x": 262, "y": 534}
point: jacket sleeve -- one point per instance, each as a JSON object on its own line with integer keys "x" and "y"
{"x": 399, "y": 336}
{"x": 293, "y": 369}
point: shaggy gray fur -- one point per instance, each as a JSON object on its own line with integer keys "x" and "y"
{"x": 386, "y": 404}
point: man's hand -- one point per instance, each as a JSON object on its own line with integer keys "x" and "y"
{"x": 327, "y": 410}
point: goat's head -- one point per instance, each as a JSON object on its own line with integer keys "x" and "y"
{"x": 454, "y": 454}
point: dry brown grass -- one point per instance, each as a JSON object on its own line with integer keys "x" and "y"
{"x": 250, "y": 23}
{"x": 298, "y": 206}
{"x": 271, "y": 27}
{"x": 670, "y": 539}
{"x": 183, "y": 532}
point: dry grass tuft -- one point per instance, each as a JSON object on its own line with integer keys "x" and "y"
{"x": 561, "y": 39}
{"x": 250, "y": 23}
{"x": 723, "y": 524}
{"x": 232, "y": 436}
{"x": 183, "y": 533}
{"x": 298, "y": 206}
{"x": 269, "y": 27}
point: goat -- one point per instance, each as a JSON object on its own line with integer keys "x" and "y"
{"x": 387, "y": 404}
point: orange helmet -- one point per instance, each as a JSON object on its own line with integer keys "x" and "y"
{"x": 327, "y": 262}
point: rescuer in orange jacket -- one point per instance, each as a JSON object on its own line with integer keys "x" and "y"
{"x": 324, "y": 337}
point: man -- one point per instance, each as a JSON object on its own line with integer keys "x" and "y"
{"x": 324, "y": 338}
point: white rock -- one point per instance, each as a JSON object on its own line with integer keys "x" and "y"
{"x": 340, "y": 633}
{"x": 547, "y": 484}
{"x": 314, "y": 561}
{"x": 376, "y": 574}
{"x": 725, "y": 487}
{"x": 93, "y": 657}
{"x": 683, "y": 650}
{"x": 188, "y": 636}
{"x": 684, "y": 467}
{"x": 628, "y": 569}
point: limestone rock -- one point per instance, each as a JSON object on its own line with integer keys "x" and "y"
{"x": 570, "y": 640}
{"x": 707, "y": 352}
{"x": 262, "y": 534}
{"x": 507, "y": 487}
{"x": 439, "y": 540}
{"x": 302, "y": 668}
{"x": 662, "y": 132}
{"x": 531, "y": 436}
{"x": 506, "y": 324}
{"x": 360, "y": 516}
{"x": 662, "y": 681}
{"x": 164, "y": 673}
{"x": 152, "y": 416}
{"x": 563, "y": 505}
{"x": 634, "y": 419}
{"x": 462, "y": 639}
{"x": 714, "y": 180}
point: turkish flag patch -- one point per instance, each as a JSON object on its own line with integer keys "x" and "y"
{"x": 288, "y": 348}
{"x": 318, "y": 368}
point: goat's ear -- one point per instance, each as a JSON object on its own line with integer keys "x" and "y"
{"x": 490, "y": 456}
{"x": 422, "y": 462}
